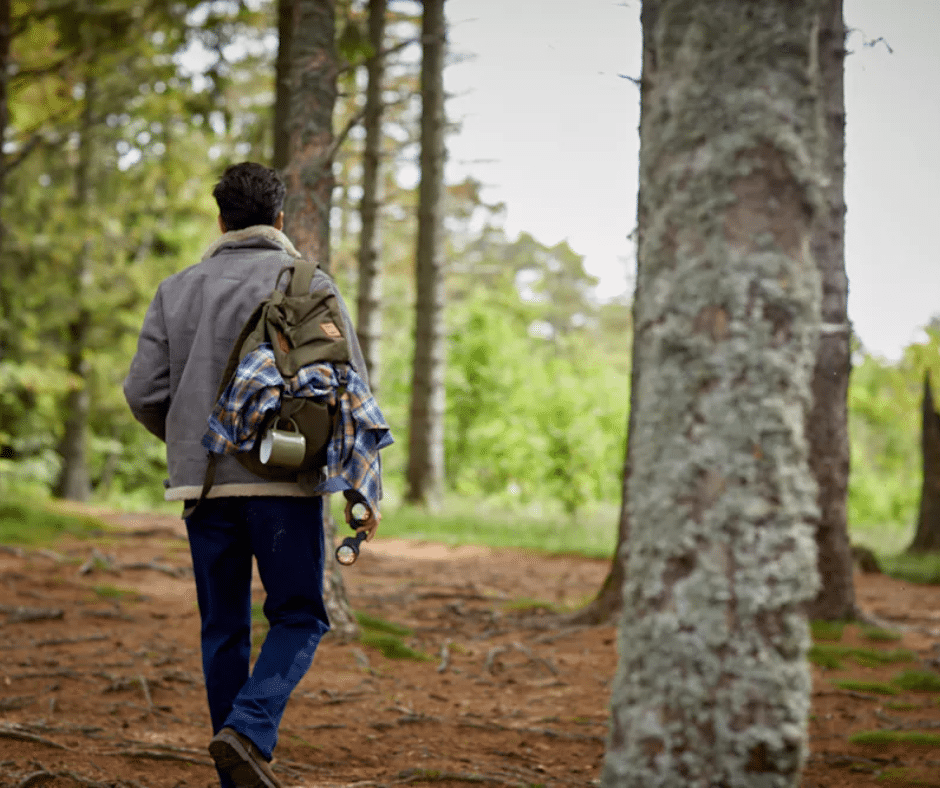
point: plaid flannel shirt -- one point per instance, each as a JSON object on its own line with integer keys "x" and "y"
{"x": 353, "y": 461}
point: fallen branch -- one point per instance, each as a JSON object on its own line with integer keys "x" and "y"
{"x": 162, "y": 755}
{"x": 16, "y": 702}
{"x": 21, "y": 615}
{"x": 68, "y": 641}
{"x": 16, "y": 732}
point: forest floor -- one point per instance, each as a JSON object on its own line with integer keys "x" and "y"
{"x": 101, "y": 685}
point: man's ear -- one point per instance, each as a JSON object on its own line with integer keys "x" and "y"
{"x": 279, "y": 222}
{"x": 222, "y": 226}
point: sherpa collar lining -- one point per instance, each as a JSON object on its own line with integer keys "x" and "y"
{"x": 265, "y": 231}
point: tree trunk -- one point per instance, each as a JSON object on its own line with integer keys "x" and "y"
{"x": 927, "y": 535}
{"x": 827, "y": 426}
{"x": 6, "y": 300}
{"x": 309, "y": 172}
{"x": 609, "y": 600}
{"x": 74, "y": 481}
{"x": 425, "y": 475}
{"x": 369, "y": 312}
{"x": 712, "y": 686}
{"x": 309, "y": 179}
{"x": 282, "y": 84}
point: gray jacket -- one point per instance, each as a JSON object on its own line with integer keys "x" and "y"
{"x": 187, "y": 336}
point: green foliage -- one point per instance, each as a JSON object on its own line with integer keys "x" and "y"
{"x": 33, "y": 526}
{"x": 884, "y": 433}
{"x": 538, "y": 527}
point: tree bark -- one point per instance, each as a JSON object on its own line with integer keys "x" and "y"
{"x": 74, "y": 481}
{"x": 827, "y": 425}
{"x": 369, "y": 311}
{"x": 309, "y": 179}
{"x": 712, "y": 685}
{"x": 425, "y": 474}
{"x": 927, "y": 535}
{"x": 282, "y": 84}
{"x": 309, "y": 173}
{"x": 5, "y": 300}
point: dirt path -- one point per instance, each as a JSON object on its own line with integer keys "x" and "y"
{"x": 100, "y": 681}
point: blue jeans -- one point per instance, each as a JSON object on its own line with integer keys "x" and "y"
{"x": 285, "y": 535}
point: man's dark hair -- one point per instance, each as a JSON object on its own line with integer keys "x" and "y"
{"x": 249, "y": 194}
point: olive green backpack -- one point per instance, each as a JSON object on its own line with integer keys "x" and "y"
{"x": 302, "y": 327}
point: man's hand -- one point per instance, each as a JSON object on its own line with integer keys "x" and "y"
{"x": 369, "y": 525}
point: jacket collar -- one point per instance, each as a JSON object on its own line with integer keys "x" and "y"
{"x": 264, "y": 231}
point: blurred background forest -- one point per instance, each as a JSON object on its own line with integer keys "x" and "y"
{"x": 123, "y": 114}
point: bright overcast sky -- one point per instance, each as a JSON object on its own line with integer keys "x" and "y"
{"x": 551, "y": 128}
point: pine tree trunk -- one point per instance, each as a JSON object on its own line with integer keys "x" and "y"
{"x": 369, "y": 312}
{"x": 309, "y": 172}
{"x": 282, "y": 84}
{"x": 425, "y": 475}
{"x": 827, "y": 426}
{"x": 309, "y": 180}
{"x": 74, "y": 481}
{"x": 712, "y": 686}
{"x": 927, "y": 535}
{"x": 6, "y": 299}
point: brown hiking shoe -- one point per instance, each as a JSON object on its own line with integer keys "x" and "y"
{"x": 239, "y": 758}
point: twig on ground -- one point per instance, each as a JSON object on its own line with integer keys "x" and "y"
{"x": 536, "y": 659}
{"x": 68, "y": 641}
{"x": 445, "y": 657}
{"x": 491, "y": 656}
{"x": 13, "y": 731}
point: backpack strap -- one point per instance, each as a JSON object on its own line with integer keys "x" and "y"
{"x": 301, "y": 277}
{"x": 206, "y": 484}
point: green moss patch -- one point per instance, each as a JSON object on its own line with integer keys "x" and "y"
{"x": 880, "y": 635}
{"x": 391, "y": 646}
{"x": 896, "y": 737}
{"x": 36, "y": 526}
{"x": 375, "y": 624}
{"x": 830, "y": 631}
{"x": 833, "y": 656}
{"x": 874, "y": 687}
{"x": 922, "y": 568}
{"x": 917, "y": 681}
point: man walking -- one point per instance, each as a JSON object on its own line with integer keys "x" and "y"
{"x": 187, "y": 334}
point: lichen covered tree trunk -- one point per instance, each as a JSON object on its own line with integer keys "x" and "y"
{"x": 712, "y": 686}
{"x": 927, "y": 535}
{"x": 369, "y": 312}
{"x": 425, "y": 473}
{"x": 827, "y": 427}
